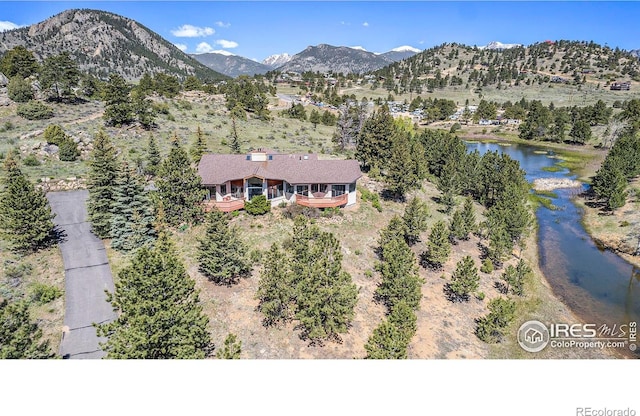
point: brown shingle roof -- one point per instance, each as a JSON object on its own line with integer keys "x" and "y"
{"x": 219, "y": 168}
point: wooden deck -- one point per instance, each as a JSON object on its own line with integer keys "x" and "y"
{"x": 332, "y": 202}
{"x": 224, "y": 206}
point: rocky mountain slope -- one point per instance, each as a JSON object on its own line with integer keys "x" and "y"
{"x": 102, "y": 42}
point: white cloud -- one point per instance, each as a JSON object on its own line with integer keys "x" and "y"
{"x": 222, "y": 24}
{"x": 227, "y": 44}
{"x": 203, "y": 47}
{"x": 6, "y": 25}
{"x": 365, "y": 24}
{"x": 190, "y": 31}
{"x": 180, "y": 46}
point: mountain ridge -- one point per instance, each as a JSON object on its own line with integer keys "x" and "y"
{"x": 104, "y": 42}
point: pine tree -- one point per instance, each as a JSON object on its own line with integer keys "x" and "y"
{"x": 400, "y": 176}
{"x": 118, "y": 109}
{"x": 500, "y": 244}
{"x": 468, "y": 216}
{"x": 314, "y": 118}
{"x": 275, "y": 291}
{"x": 514, "y": 278}
{"x": 491, "y": 326}
{"x": 438, "y": 245}
{"x": 231, "y": 350}
{"x": 132, "y": 220}
{"x": 199, "y": 146}
{"x": 373, "y": 148}
{"x": 222, "y": 255}
{"x": 160, "y": 315}
{"x": 464, "y": 280}
{"x": 153, "y": 157}
{"x": 179, "y": 187}
{"x": 327, "y": 295}
{"x": 141, "y": 109}
{"x": 25, "y": 214}
{"x": 386, "y": 343}
{"x": 396, "y": 229}
{"x": 19, "y": 337}
{"x": 415, "y": 220}
{"x": 457, "y": 226}
{"x": 103, "y": 167}
{"x": 235, "y": 140}
{"x": 400, "y": 279}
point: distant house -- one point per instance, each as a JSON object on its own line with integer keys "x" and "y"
{"x": 620, "y": 86}
{"x": 230, "y": 180}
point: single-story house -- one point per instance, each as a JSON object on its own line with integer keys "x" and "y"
{"x": 232, "y": 179}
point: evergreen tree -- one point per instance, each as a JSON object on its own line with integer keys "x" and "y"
{"x": 314, "y": 118}
{"x": 500, "y": 244}
{"x": 468, "y": 216}
{"x": 18, "y": 61}
{"x": 118, "y": 108}
{"x": 103, "y": 167}
{"x": 60, "y": 75}
{"x": 141, "y": 109}
{"x": 160, "y": 315}
{"x": 275, "y": 291}
{"x": 580, "y": 132}
{"x": 438, "y": 245}
{"x": 457, "y": 227}
{"x": 199, "y": 146}
{"x": 231, "y": 350}
{"x": 235, "y": 139}
{"x": 19, "y": 337}
{"x": 222, "y": 255}
{"x": 132, "y": 220}
{"x": 386, "y": 343}
{"x": 153, "y": 157}
{"x": 396, "y": 229}
{"x": 610, "y": 182}
{"x": 20, "y": 90}
{"x": 403, "y": 316}
{"x": 400, "y": 279}
{"x": 327, "y": 296}
{"x": 415, "y": 220}
{"x": 179, "y": 187}
{"x": 373, "y": 148}
{"x": 400, "y": 176}
{"x": 25, "y": 214}
{"x": 490, "y": 328}
{"x": 464, "y": 280}
{"x": 514, "y": 278}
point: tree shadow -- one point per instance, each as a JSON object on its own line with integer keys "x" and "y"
{"x": 501, "y": 287}
{"x": 425, "y": 263}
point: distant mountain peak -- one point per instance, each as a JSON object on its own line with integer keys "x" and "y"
{"x": 276, "y": 60}
{"x": 223, "y": 52}
{"x": 406, "y": 48}
{"x": 358, "y": 48}
{"x": 495, "y": 45}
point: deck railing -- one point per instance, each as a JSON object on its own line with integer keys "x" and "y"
{"x": 327, "y": 202}
{"x": 224, "y": 206}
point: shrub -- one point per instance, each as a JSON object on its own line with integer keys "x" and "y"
{"x": 54, "y": 134}
{"x": 68, "y": 150}
{"x": 455, "y": 127}
{"x": 35, "y": 110}
{"x": 259, "y": 205}
{"x": 294, "y": 210}
{"x": 42, "y": 293}
{"x": 31, "y": 160}
{"x": 487, "y": 266}
{"x": 20, "y": 90}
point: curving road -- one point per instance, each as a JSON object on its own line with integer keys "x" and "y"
{"x": 87, "y": 276}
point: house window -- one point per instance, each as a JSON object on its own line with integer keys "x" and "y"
{"x": 290, "y": 188}
{"x": 352, "y": 187}
{"x": 223, "y": 189}
{"x": 274, "y": 189}
{"x": 337, "y": 190}
{"x": 319, "y": 188}
{"x": 302, "y": 189}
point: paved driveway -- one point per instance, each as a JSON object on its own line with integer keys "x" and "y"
{"x": 87, "y": 276}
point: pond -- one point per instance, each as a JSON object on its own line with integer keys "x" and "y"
{"x": 596, "y": 284}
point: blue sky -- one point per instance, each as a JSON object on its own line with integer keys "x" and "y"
{"x": 257, "y": 29}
